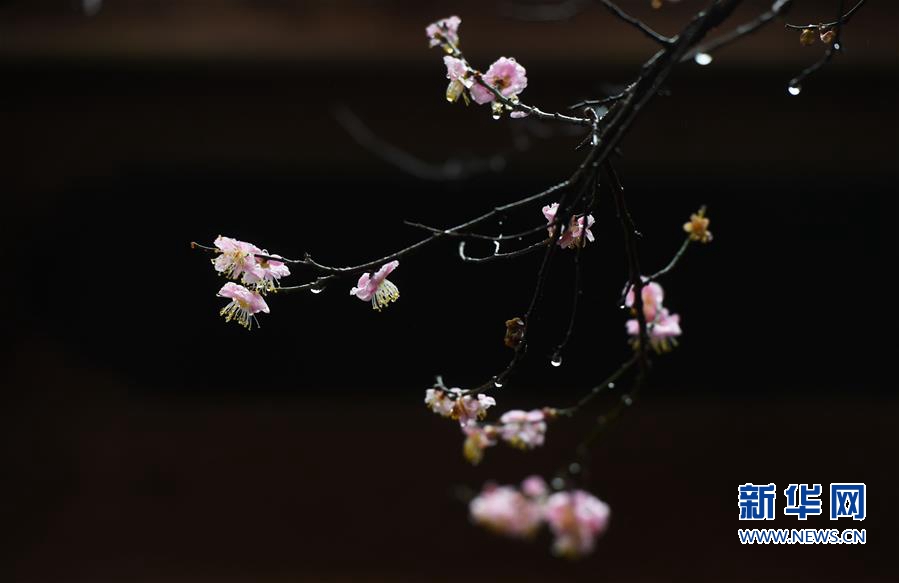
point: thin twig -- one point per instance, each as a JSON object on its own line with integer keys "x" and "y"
{"x": 637, "y": 23}
{"x": 843, "y": 20}
{"x": 796, "y": 82}
{"x": 497, "y": 256}
{"x": 778, "y": 8}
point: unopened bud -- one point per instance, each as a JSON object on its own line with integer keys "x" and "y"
{"x": 807, "y": 37}
{"x": 514, "y": 332}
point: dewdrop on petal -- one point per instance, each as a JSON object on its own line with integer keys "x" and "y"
{"x": 377, "y": 288}
{"x": 244, "y": 306}
{"x": 506, "y": 75}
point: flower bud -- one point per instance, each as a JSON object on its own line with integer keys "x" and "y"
{"x": 807, "y": 37}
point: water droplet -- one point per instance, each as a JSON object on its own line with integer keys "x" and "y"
{"x": 318, "y": 288}
{"x": 497, "y": 115}
{"x": 497, "y": 383}
{"x": 611, "y": 385}
{"x": 626, "y": 399}
{"x": 703, "y": 59}
{"x": 574, "y": 468}
{"x": 836, "y": 46}
{"x": 622, "y": 307}
{"x": 557, "y": 483}
{"x": 794, "y": 89}
{"x": 556, "y": 360}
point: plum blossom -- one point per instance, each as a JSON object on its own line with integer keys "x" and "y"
{"x": 244, "y": 304}
{"x": 377, "y": 288}
{"x": 576, "y": 518}
{"x": 698, "y": 227}
{"x": 444, "y": 30}
{"x": 652, "y": 295}
{"x": 523, "y": 429}
{"x": 453, "y": 403}
{"x": 534, "y": 487}
{"x": 457, "y": 73}
{"x": 506, "y": 75}
{"x": 236, "y": 258}
{"x": 477, "y": 439}
{"x": 574, "y": 235}
{"x": 663, "y": 331}
{"x": 267, "y": 274}
{"x": 505, "y": 510}
{"x": 662, "y": 326}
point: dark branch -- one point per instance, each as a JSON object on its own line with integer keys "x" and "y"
{"x": 750, "y": 27}
{"x": 795, "y": 84}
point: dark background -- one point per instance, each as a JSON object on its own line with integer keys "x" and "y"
{"x": 147, "y": 440}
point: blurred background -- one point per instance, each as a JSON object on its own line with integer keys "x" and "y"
{"x": 147, "y": 440}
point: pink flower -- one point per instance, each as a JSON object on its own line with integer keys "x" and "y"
{"x": 457, "y": 73}
{"x": 535, "y": 487}
{"x": 237, "y": 258}
{"x": 469, "y": 409}
{"x": 446, "y": 29}
{"x": 244, "y": 304}
{"x": 465, "y": 408}
{"x": 523, "y": 429}
{"x": 506, "y": 75}
{"x": 571, "y": 236}
{"x": 576, "y": 519}
{"x": 477, "y": 440}
{"x": 662, "y": 326}
{"x": 438, "y": 402}
{"x": 377, "y": 288}
{"x": 456, "y": 69}
{"x": 506, "y": 511}
{"x": 652, "y": 295}
{"x": 267, "y": 274}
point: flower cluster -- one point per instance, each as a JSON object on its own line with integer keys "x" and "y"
{"x": 505, "y": 76}
{"x": 453, "y": 403}
{"x": 376, "y": 288}
{"x": 258, "y": 272}
{"x": 662, "y": 326}
{"x": 521, "y": 429}
{"x": 576, "y": 518}
{"x": 576, "y": 234}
